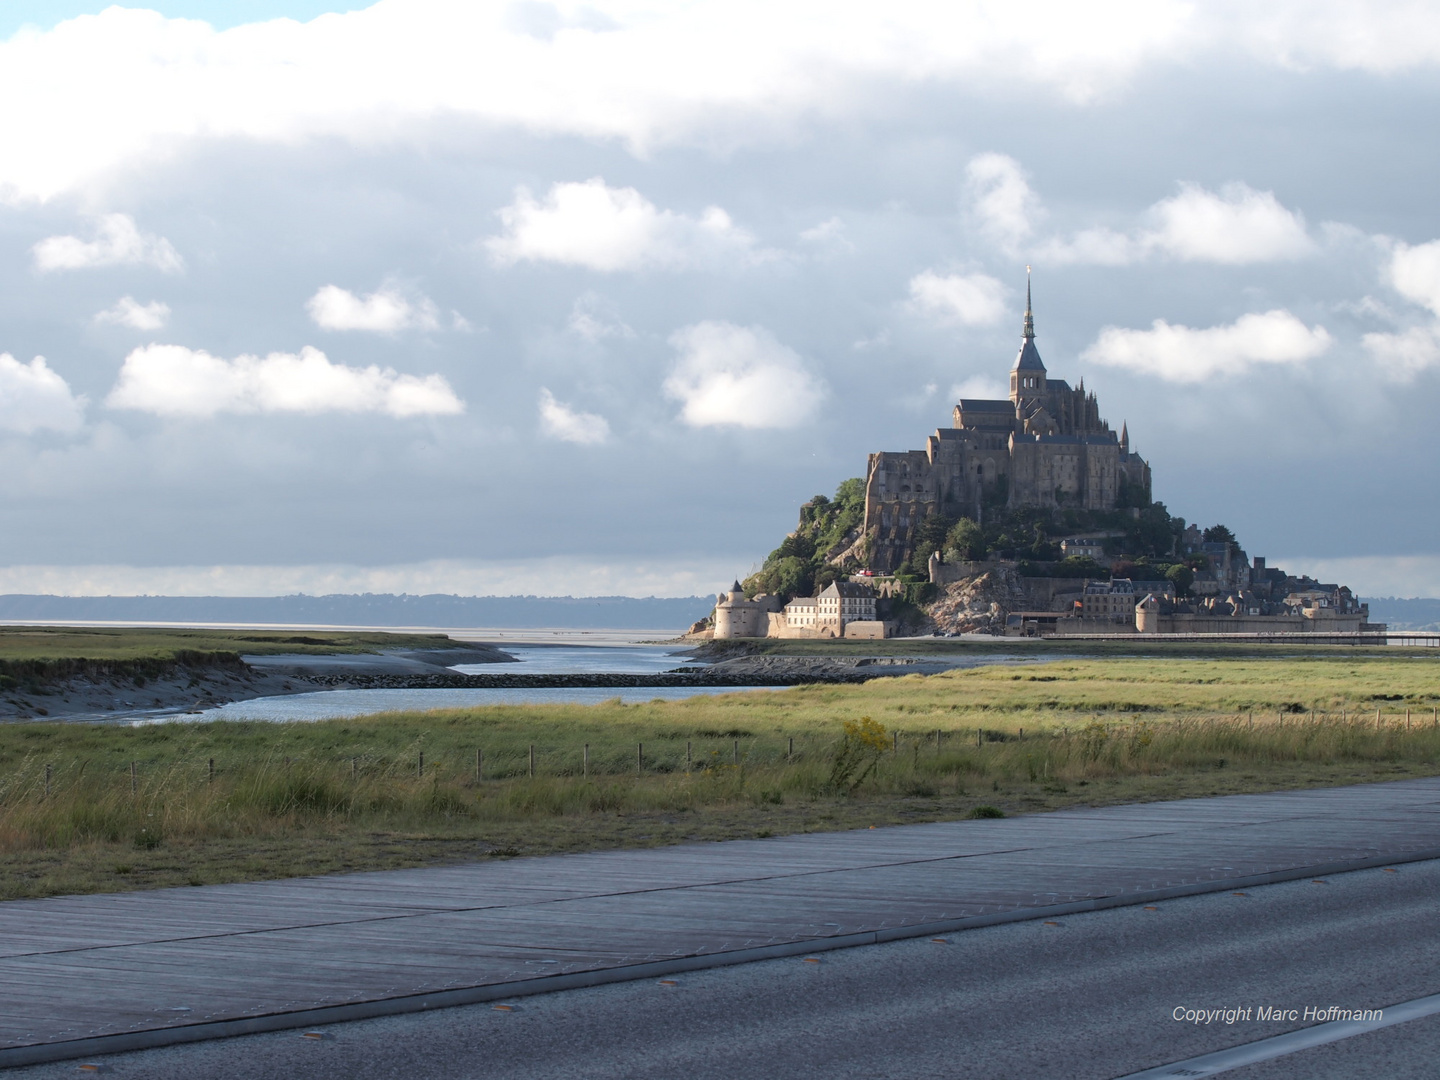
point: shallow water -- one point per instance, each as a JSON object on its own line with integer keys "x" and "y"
{"x": 338, "y": 704}
{"x": 583, "y": 660}
{"x": 530, "y": 660}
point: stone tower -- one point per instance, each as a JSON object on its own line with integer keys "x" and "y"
{"x": 1027, "y": 377}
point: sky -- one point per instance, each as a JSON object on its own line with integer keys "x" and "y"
{"x": 497, "y": 297}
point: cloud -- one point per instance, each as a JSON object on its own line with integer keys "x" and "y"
{"x": 1000, "y": 200}
{"x": 385, "y": 310}
{"x": 644, "y": 75}
{"x": 1236, "y": 227}
{"x": 966, "y": 300}
{"x": 1415, "y": 273}
{"x": 1181, "y": 354}
{"x": 828, "y": 236}
{"x": 602, "y": 228}
{"x": 1240, "y": 225}
{"x": 1402, "y": 356}
{"x": 735, "y": 375}
{"x": 560, "y": 421}
{"x": 117, "y": 242}
{"x": 128, "y": 312}
{"x": 34, "y": 398}
{"x": 594, "y": 320}
{"x": 171, "y": 380}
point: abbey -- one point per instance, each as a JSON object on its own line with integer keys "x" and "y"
{"x": 1045, "y": 447}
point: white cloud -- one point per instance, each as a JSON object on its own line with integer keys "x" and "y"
{"x": 828, "y": 236}
{"x": 594, "y": 320}
{"x": 34, "y": 398}
{"x": 602, "y": 228}
{"x": 117, "y": 242}
{"x": 741, "y": 376}
{"x": 560, "y": 421}
{"x": 1235, "y": 227}
{"x": 629, "y": 71}
{"x": 1402, "y": 356}
{"x": 129, "y": 312}
{"x": 385, "y": 310}
{"x": 965, "y": 299}
{"x": 1415, "y": 273}
{"x": 171, "y": 380}
{"x": 625, "y": 70}
{"x": 1239, "y": 225}
{"x": 1182, "y": 354}
{"x": 1000, "y": 200}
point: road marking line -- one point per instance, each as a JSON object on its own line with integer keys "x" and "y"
{"x": 1290, "y": 1043}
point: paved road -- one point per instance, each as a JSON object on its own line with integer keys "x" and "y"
{"x": 1089, "y": 998}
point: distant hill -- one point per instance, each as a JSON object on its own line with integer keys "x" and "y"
{"x": 371, "y": 609}
{"x": 1417, "y": 613}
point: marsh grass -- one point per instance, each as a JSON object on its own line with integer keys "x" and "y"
{"x": 351, "y": 794}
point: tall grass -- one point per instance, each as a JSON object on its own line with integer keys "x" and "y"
{"x": 91, "y": 801}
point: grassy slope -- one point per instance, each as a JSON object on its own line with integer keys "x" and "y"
{"x": 300, "y": 798}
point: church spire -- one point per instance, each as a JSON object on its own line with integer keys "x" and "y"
{"x": 1029, "y": 316}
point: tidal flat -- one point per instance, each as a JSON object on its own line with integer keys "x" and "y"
{"x": 101, "y": 807}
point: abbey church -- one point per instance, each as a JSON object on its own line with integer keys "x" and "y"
{"x": 1046, "y": 446}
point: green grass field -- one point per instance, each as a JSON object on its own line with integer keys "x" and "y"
{"x": 22, "y": 644}
{"x": 298, "y": 798}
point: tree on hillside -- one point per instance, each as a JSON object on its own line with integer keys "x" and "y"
{"x": 1182, "y": 577}
{"x": 1218, "y": 534}
{"x": 966, "y": 539}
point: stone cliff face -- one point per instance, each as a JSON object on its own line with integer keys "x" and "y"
{"x": 979, "y": 605}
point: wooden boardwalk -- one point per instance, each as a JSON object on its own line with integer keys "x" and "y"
{"x": 90, "y": 974}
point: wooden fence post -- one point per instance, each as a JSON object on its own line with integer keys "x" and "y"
{"x": 790, "y": 753}
{"x": 639, "y": 759}
{"x": 532, "y": 761}
{"x": 354, "y": 768}
{"x": 212, "y": 771}
{"x": 421, "y": 771}
{"x": 687, "y": 755}
{"x": 479, "y": 765}
{"x": 47, "y": 781}
{"x": 737, "y": 752}
{"x": 585, "y": 765}
{"x": 133, "y": 783}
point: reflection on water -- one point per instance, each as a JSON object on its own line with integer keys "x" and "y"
{"x": 337, "y": 704}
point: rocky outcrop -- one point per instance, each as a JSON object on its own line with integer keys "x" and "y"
{"x": 979, "y": 605}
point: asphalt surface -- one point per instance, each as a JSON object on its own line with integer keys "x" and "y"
{"x": 1091, "y": 997}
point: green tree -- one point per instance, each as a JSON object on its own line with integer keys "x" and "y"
{"x": 1182, "y": 577}
{"x": 966, "y": 539}
{"x": 1218, "y": 534}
